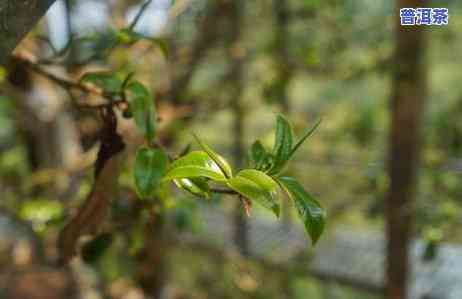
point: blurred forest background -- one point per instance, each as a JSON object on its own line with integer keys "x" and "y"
{"x": 224, "y": 69}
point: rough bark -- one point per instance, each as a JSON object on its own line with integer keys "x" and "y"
{"x": 408, "y": 93}
{"x": 17, "y": 18}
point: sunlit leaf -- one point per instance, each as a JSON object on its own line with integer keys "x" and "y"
{"x": 256, "y": 186}
{"x": 193, "y": 165}
{"x": 143, "y": 109}
{"x": 219, "y": 160}
{"x": 150, "y": 166}
{"x": 195, "y": 186}
{"x": 308, "y": 208}
{"x": 282, "y": 144}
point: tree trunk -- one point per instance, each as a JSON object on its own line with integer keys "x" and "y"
{"x": 408, "y": 93}
{"x": 17, "y": 17}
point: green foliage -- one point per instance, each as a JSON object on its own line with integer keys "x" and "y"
{"x": 259, "y": 157}
{"x": 196, "y": 164}
{"x": 150, "y": 167}
{"x": 304, "y": 137}
{"x": 143, "y": 109}
{"x": 256, "y": 186}
{"x": 282, "y": 144}
{"x": 195, "y": 186}
{"x": 219, "y": 160}
{"x": 308, "y": 208}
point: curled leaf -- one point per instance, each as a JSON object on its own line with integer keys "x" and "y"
{"x": 219, "y": 160}
{"x": 196, "y": 186}
{"x": 193, "y": 165}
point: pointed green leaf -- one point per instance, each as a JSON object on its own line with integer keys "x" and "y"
{"x": 282, "y": 144}
{"x": 195, "y": 186}
{"x": 143, "y": 109}
{"x": 256, "y": 186}
{"x": 193, "y": 165}
{"x": 259, "y": 157}
{"x": 305, "y": 136}
{"x": 150, "y": 166}
{"x": 308, "y": 208}
{"x": 219, "y": 160}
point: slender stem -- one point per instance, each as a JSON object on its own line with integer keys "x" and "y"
{"x": 224, "y": 191}
{"x": 139, "y": 15}
{"x": 72, "y": 85}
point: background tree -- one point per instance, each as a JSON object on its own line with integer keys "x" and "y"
{"x": 408, "y": 94}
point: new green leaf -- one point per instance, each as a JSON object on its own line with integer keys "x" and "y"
{"x": 195, "y": 186}
{"x": 282, "y": 144}
{"x": 308, "y": 208}
{"x": 305, "y": 136}
{"x": 193, "y": 165}
{"x": 142, "y": 108}
{"x": 259, "y": 157}
{"x": 219, "y": 160}
{"x": 150, "y": 167}
{"x": 256, "y": 186}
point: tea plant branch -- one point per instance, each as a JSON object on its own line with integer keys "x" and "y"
{"x": 70, "y": 85}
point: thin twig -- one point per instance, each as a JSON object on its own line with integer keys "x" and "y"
{"x": 70, "y": 85}
{"x": 139, "y": 15}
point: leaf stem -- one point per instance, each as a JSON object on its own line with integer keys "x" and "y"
{"x": 223, "y": 191}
